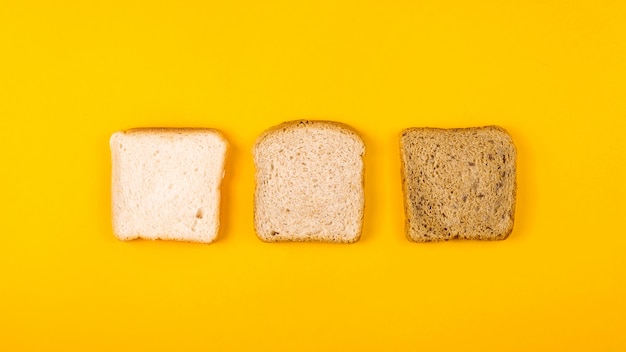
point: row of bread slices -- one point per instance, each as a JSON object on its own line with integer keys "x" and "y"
{"x": 457, "y": 183}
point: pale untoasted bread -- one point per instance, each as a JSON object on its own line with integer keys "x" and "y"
{"x": 458, "y": 183}
{"x": 166, "y": 183}
{"x": 309, "y": 183}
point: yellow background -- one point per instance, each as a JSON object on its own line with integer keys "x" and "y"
{"x": 551, "y": 72}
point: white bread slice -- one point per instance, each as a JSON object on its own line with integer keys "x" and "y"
{"x": 309, "y": 183}
{"x": 166, "y": 183}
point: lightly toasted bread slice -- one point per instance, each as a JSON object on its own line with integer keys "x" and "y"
{"x": 309, "y": 183}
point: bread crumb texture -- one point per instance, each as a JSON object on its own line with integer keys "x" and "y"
{"x": 166, "y": 183}
{"x": 309, "y": 183}
{"x": 458, "y": 183}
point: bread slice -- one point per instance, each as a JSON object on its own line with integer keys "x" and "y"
{"x": 458, "y": 183}
{"x": 309, "y": 183}
{"x": 166, "y": 183}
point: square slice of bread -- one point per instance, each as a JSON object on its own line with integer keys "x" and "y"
{"x": 458, "y": 183}
{"x": 309, "y": 183}
{"x": 166, "y": 183}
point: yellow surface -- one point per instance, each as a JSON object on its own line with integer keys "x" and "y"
{"x": 551, "y": 72}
